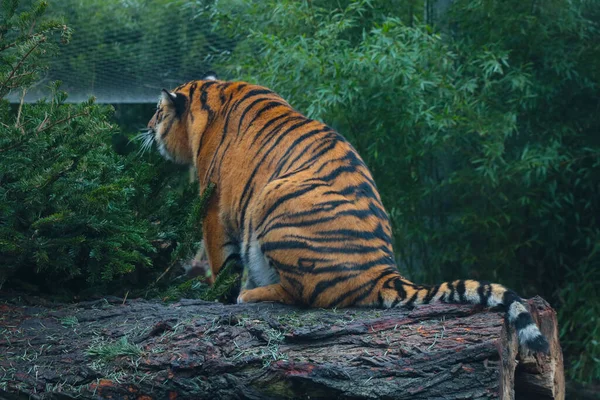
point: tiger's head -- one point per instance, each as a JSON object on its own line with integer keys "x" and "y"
{"x": 172, "y": 128}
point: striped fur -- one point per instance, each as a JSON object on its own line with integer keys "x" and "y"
{"x": 298, "y": 206}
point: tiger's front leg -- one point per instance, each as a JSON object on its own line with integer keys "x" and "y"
{"x": 220, "y": 249}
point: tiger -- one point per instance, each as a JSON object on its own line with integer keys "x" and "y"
{"x": 297, "y": 207}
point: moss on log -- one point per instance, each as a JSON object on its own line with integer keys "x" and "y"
{"x": 139, "y": 349}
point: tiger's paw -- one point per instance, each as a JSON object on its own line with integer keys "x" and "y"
{"x": 240, "y": 298}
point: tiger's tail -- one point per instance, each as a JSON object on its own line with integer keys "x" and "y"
{"x": 476, "y": 292}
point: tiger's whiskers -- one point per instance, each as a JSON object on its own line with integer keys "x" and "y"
{"x": 146, "y": 138}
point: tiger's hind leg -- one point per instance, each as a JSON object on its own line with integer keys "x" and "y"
{"x": 274, "y": 292}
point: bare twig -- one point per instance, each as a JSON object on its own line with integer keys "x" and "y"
{"x": 43, "y": 123}
{"x": 8, "y": 46}
{"x": 41, "y": 128}
{"x": 18, "y": 122}
{"x": 20, "y": 40}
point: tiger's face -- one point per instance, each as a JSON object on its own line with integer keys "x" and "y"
{"x": 172, "y": 128}
{"x": 167, "y": 127}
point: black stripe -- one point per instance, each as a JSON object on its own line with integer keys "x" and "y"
{"x": 168, "y": 129}
{"x": 367, "y": 293}
{"x": 310, "y": 269}
{"x": 412, "y": 299}
{"x": 337, "y": 172}
{"x": 217, "y": 158}
{"x": 246, "y": 250}
{"x": 450, "y": 298}
{"x": 351, "y": 158}
{"x": 251, "y": 93}
{"x": 307, "y": 244}
{"x": 208, "y": 84}
{"x": 290, "y": 149}
{"x": 291, "y": 224}
{"x": 269, "y": 106}
{"x": 523, "y": 320}
{"x": 268, "y": 124}
{"x": 329, "y": 205}
{"x": 484, "y": 291}
{"x": 285, "y": 198}
{"x": 330, "y": 239}
{"x": 431, "y": 294}
{"x": 380, "y": 300}
{"x": 358, "y": 213}
{"x": 272, "y": 134}
{"x": 292, "y": 173}
{"x": 296, "y": 284}
{"x": 510, "y": 297}
{"x": 327, "y": 284}
{"x": 461, "y": 289}
{"x": 221, "y": 88}
{"x": 233, "y": 107}
{"x": 246, "y": 111}
{"x": 399, "y": 286}
{"x": 327, "y": 144}
{"x": 340, "y": 299}
{"x": 243, "y": 212}
{"x": 202, "y": 136}
{"x": 363, "y": 190}
{"x": 244, "y": 198}
{"x": 193, "y": 87}
{"x": 348, "y": 233}
{"x": 321, "y": 142}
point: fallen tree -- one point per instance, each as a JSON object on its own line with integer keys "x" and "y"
{"x": 193, "y": 349}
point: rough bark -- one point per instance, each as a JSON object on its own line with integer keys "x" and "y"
{"x": 200, "y": 350}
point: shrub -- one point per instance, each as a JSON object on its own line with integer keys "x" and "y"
{"x": 482, "y": 138}
{"x": 75, "y": 214}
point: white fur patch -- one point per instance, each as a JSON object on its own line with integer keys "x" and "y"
{"x": 165, "y": 96}
{"x": 388, "y": 303}
{"x": 495, "y": 300}
{"x": 163, "y": 151}
{"x": 529, "y": 333}
{"x": 260, "y": 271}
{"x": 472, "y": 297}
{"x": 514, "y": 310}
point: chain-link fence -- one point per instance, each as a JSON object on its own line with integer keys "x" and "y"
{"x": 125, "y": 51}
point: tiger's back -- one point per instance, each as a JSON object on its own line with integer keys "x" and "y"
{"x": 297, "y": 206}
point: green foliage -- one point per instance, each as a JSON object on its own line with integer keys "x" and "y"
{"x": 226, "y": 283}
{"x": 74, "y": 213}
{"x": 129, "y": 35}
{"x": 109, "y": 351}
{"x": 482, "y": 137}
{"x": 481, "y": 133}
{"x": 225, "y": 287}
{"x": 24, "y": 39}
{"x": 192, "y": 235}
{"x": 67, "y": 203}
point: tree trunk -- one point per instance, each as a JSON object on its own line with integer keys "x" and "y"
{"x": 192, "y": 349}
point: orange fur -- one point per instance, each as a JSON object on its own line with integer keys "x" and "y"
{"x": 296, "y": 204}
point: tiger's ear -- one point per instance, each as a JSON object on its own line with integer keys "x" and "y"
{"x": 168, "y": 97}
{"x": 210, "y": 76}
